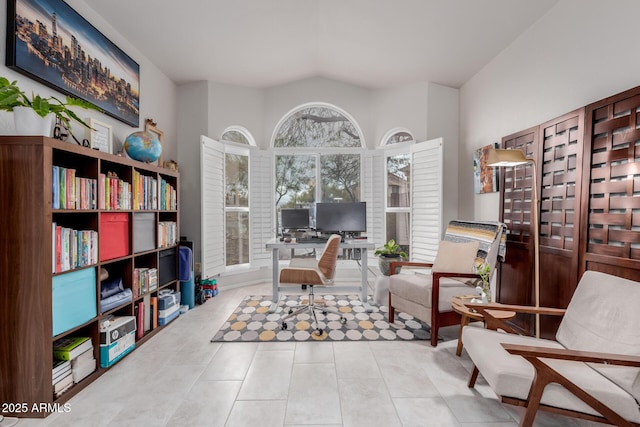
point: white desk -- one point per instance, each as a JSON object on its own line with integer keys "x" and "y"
{"x": 363, "y": 244}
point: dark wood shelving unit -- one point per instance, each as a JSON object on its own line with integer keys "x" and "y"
{"x": 26, "y": 265}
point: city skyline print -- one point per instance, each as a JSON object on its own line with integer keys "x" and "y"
{"x": 50, "y": 42}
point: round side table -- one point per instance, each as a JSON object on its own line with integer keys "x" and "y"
{"x": 457, "y": 303}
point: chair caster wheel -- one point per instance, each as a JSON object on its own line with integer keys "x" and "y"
{"x": 290, "y": 310}
{"x": 324, "y": 312}
{"x": 318, "y": 332}
{"x": 343, "y": 320}
{"x": 284, "y": 326}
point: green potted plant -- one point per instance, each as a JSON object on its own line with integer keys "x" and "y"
{"x": 15, "y": 100}
{"x": 388, "y": 253}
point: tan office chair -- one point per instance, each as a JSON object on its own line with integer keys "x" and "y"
{"x": 312, "y": 273}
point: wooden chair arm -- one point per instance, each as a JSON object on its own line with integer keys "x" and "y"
{"x": 394, "y": 264}
{"x": 528, "y": 351}
{"x": 525, "y": 309}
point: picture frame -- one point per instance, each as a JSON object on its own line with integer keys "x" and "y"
{"x": 485, "y": 177}
{"x": 100, "y": 136}
{"x": 151, "y": 126}
{"x": 50, "y": 42}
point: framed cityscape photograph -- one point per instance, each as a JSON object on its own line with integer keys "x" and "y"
{"x": 50, "y": 42}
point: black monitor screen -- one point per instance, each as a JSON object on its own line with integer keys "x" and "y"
{"x": 295, "y": 218}
{"x": 345, "y": 217}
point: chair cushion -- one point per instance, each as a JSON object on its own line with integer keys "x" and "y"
{"x": 456, "y": 257}
{"x": 598, "y": 319}
{"x": 511, "y": 376}
{"x": 417, "y": 288}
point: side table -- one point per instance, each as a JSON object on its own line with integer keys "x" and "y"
{"x": 457, "y": 303}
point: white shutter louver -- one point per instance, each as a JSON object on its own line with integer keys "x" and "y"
{"x": 212, "y": 203}
{"x": 426, "y": 196}
{"x": 261, "y": 204}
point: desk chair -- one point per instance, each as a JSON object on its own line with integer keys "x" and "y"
{"x": 312, "y": 272}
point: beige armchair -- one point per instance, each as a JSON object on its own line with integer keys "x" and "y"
{"x": 571, "y": 375}
{"x": 466, "y": 246}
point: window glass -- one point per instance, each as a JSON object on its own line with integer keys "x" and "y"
{"x": 340, "y": 177}
{"x": 399, "y": 137}
{"x": 398, "y": 182}
{"x": 234, "y": 136}
{"x": 398, "y": 229}
{"x": 236, "y": 180}
{"x": 317, "y": 127}
{"x": 237, "y": 236}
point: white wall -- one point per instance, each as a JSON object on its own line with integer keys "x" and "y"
{"x": 579, "y": 52}
{"x": 157, "y": 92}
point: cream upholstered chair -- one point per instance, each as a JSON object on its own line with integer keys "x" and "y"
{"x": 466, "y": 246}
{"x": 590, "y": 371}
{"x": 312, "y": 273}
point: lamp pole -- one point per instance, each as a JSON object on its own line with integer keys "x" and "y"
{"x": 513, "y": 158}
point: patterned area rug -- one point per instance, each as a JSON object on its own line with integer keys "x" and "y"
{"x": 252, "y": 321}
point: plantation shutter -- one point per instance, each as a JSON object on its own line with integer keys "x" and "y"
{"x": 426, "y": 196}
{"x": 261, "y": 203}
{"x": 374, "y": 192}
{"x": 212, "y": 205}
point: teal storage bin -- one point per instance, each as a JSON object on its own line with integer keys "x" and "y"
{"x": 74, "y": 299}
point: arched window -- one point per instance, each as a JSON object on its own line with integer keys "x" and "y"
{"x": 237, "y": 134}
{"x": 396, "y": 136}
{"x": 318, "y": 158}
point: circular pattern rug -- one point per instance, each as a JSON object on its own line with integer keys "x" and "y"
{"x": 252, "y": 321}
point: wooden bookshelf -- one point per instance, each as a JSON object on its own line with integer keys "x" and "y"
{"x": 27, "y": 245}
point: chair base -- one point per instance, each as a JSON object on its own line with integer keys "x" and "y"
{"x": 312, "y": 306}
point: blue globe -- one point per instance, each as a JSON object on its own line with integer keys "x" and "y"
{"x": 143, "y": 146}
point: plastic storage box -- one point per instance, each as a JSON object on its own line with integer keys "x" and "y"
{"x": 144, "y": 232}
{"x": 117, "y": 339}
{"x": 114, "y": 235}
{"x": 167, "y": 266}
{"x": 74, "y": 299}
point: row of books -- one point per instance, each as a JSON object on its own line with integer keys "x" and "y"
{"x": 144, "y": 280}
{"x": 167, "y": 233}
{"x": 73, "y": 248}
{"x": 168, "y": 196}
{"x": 146, "y": 314}
{"x": 109, "y": 192}
{"x": 70, "y": 191}
{"x": 73, "y": 361}
{"x": 145, "y": 192}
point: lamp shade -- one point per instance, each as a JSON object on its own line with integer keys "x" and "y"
{"x": 506, "y": 158}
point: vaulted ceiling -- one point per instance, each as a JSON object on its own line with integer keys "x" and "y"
{"x": 369, "y": 43}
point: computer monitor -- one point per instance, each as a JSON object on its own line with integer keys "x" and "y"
{"x": 295, "y": 218}
{"x": 348, "y": 217}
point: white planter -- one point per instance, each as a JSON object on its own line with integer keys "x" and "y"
{"x": 28, "y": 122}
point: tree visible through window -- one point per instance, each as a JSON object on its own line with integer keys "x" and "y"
{"x": 317, "y": 144}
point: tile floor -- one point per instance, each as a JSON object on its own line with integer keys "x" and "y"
{"x": 180, "y": 378}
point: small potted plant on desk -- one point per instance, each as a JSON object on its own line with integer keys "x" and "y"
{"x": 390, "y": 252}
{"x": 34, "y": 116}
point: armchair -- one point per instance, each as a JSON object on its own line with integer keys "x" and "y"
{"x": 466, "y": 245}
{"x": 572, "y": 375}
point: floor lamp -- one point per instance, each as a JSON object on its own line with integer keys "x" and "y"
{"x": 512, "y": 158}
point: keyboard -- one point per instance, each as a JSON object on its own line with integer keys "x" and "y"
{"x": 312, "y": 240}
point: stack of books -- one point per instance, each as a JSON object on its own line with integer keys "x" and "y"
{"x": 77, "y": 354}
{"x": 62, "y": 376}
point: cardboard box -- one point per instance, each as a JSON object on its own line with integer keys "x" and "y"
{"x": 114, "y": 235}
{"x": 74, "y": 299}
{"x": 144, "y": 232}
{"x": 117, "y": 339}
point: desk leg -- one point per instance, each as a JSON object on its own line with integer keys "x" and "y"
{"x": 364, "y": 292}
{"x": 276, "y": 279}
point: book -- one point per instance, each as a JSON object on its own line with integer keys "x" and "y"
{"x": 71, "y": 347}
{"x": 87, "y": 356}
{"x": 55, "y": 186}
{"x": 63, "y": 385}
{"x": 61, "y": 375}
{"x": 83, "y": 370}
